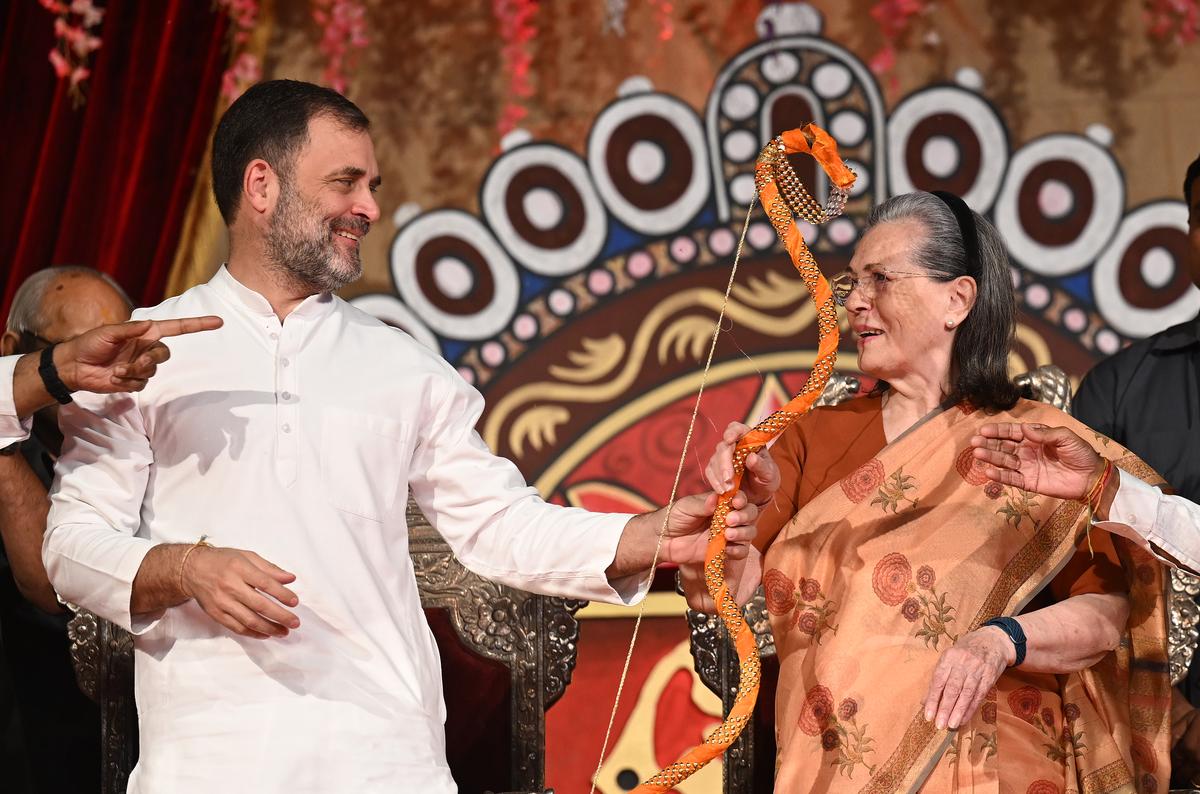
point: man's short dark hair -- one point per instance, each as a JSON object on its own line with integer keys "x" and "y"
{"x": 1193, "y": 173}
{"x": 270, "y": 122}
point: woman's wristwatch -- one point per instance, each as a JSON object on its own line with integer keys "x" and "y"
{"x": 1013, "y": 629}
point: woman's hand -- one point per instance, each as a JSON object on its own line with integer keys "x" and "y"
{"x": 965, "y": 674}
{"x": 761, "y": 480}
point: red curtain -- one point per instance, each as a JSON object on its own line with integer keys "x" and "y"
{"x": 105, "y": 184}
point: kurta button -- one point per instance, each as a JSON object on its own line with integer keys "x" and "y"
{"x": 274, "y": 335}
{"x": 284, "y": 362}
{"x": 286, "y": 427}
{"x": 287, "y": 395}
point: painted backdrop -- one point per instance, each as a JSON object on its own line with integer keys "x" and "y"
{"x": 572, "y": 267}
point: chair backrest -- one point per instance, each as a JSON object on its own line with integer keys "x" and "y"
{"x": 717, "y": 662}
{"x": 534, "y": 637}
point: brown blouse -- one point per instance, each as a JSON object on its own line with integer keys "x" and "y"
{"x": 831, "y": 442}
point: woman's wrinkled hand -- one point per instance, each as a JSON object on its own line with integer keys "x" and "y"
{"x": 761, "y": 479}
{"x": 965, "y": 674}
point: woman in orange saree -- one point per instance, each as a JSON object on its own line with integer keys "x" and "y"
{"x": 888, "y": 552}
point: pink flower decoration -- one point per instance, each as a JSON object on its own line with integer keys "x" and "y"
{"x": 61, "y": 67}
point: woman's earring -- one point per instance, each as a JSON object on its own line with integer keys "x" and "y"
{"x": 949, "y": 324}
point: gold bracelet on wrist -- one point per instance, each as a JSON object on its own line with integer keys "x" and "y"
{"x": 202, "y": 542}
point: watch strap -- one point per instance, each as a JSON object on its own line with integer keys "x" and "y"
{"x": 1013, "y": 629}
{"x": 50, "y": 379}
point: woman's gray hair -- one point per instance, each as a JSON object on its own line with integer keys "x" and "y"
{"x": 26, "y": 311}
{"x": 979, "y": 358}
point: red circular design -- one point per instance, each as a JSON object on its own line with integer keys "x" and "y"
{"x": 810, "y": 589}
{"x": 891, "y": 578}
{"x": 1025, "y": 702}
{"x": 818, "y": 708}
{"x": 807, "y": 622}
{"x": 779, "y": 591}
{"x": 925, "y": 577}
{"x": 1042, "y": 787}
{"x": 865, "y": 479}
{"x": 970, "y": 468}
{"x": 911, "y": 610}
{"x": 847, "y": 709}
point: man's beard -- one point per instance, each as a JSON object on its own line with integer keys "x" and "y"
{"x": 300, "y": 244}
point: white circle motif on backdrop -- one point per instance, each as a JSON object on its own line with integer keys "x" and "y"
{"x": 543, "y": 208}
{"x": 740, "y": 146}
{"x": 553, "y": 193}
{"x": 780, "y": 67}
{"x": 741, "y": 189}
{"x": 1055, "y": 199}
{"x": 940, "y": 156}
{"x": 848, "y": 127}
{"x": 960, "y": 109}
{"x": 670, "y": 125}
{"x": 831, "y": 80}
{"x": 646, "y": 162}
{"x": 1156, "y": 264}
{"x": 739, "y": 102}
{"x": 453, "y": 277}
{"x": 1158, "y": 267}
{"x": 472, "y": 244}
{"x": 1042, "y": 245}
{"x": 969, "y": 78}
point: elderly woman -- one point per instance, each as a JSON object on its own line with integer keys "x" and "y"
{"x": 936, "y": 630}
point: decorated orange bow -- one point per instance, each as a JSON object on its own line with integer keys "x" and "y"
{"x": 784, "y": 197}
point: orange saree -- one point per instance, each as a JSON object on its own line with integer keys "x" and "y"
{"x": 878, "y": 573}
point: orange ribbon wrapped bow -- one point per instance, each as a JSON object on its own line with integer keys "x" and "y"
{"x": 783, "y": 197}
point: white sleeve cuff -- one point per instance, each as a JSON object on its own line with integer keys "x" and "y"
{"x": 1153, "y": 520}
{"x": 105, "y": 592}
{"x": 12, "y": 428}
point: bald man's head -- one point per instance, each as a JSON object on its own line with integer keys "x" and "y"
{"x": 59, "y": 303}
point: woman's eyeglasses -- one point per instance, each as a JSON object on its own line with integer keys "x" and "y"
{"x": 869, "y": 284}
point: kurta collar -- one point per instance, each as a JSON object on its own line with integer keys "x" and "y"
{"x": 311, "y": 307}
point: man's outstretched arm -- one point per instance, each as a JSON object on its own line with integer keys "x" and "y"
{"x": 1056, "y": 462}
{"x": 108, "y": 359}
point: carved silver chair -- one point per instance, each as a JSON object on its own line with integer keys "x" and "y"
{"x": 749, "y": 762}
{"x": 534, "y": 637}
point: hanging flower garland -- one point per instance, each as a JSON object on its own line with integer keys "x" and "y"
{"x": 517, "y": 31}
{"x": 74, "y": 24}
{"x": 894, "y": 18}
{"x": 662, "y": 16}
{"x": 343, "y": 38}
{"x": 1173, "y": 19}
{"x": 244, "y": 68}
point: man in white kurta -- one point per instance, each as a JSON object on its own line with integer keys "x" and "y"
{"x": 300, "y": 440}
{"x": 294, "y": 656}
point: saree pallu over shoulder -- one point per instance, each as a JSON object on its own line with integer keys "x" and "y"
{"x": 879, "y": 574}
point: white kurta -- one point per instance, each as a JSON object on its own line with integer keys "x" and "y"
{"x": 299, "y": 441}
